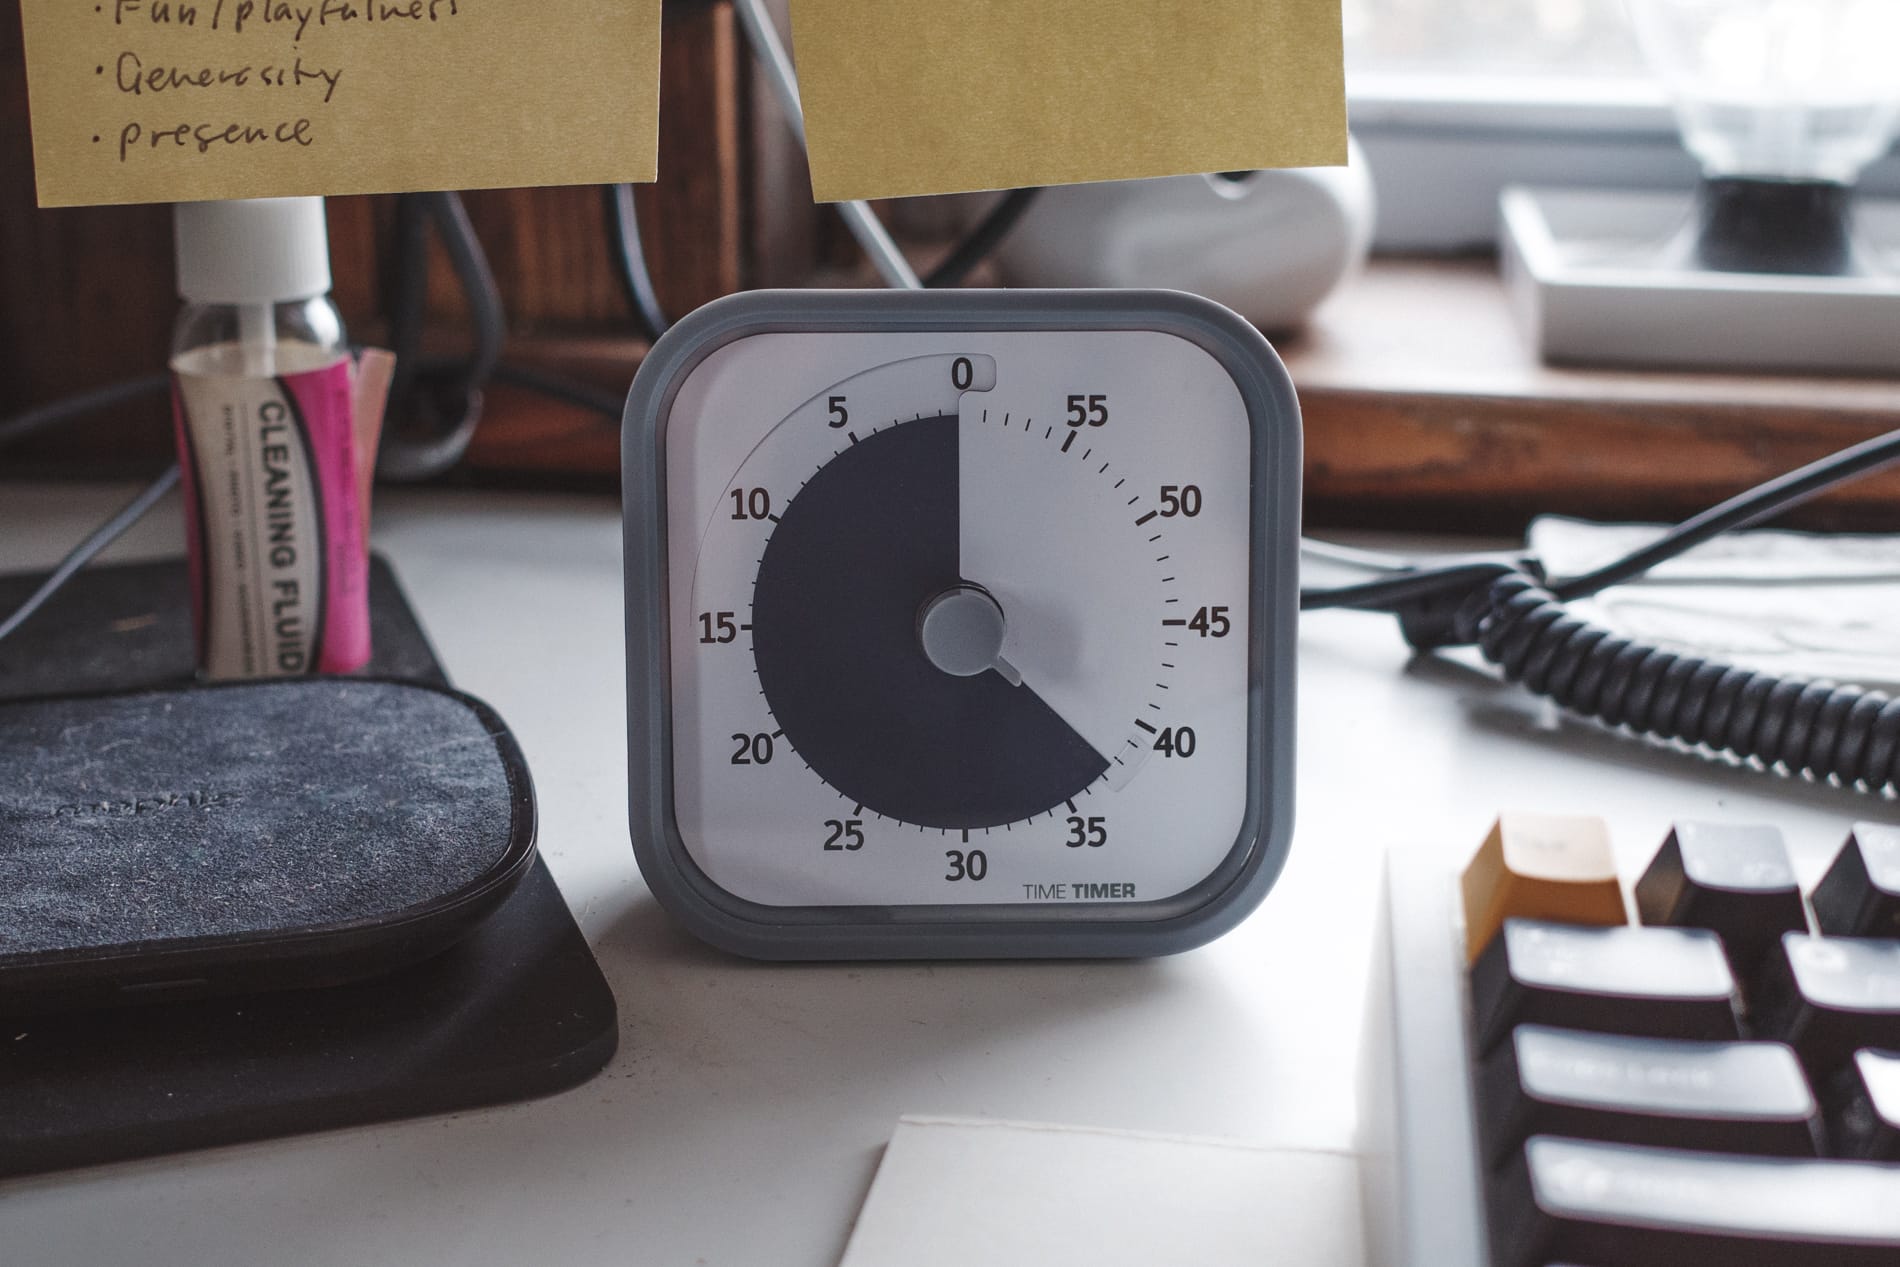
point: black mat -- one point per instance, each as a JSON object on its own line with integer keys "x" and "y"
{"x": 515, "y": 1010}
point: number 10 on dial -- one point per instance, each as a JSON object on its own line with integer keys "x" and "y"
{"x": 961, "y": 623}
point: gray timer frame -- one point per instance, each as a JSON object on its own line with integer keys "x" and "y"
{"x": 1043, "y": 930}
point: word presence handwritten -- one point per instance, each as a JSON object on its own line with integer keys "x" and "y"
{"x": 181, "y": 100}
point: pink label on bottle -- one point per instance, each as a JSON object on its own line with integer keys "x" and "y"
{"x": 280, "y": 566}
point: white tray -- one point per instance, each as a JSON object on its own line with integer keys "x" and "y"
{"x": 1599, "y": 277}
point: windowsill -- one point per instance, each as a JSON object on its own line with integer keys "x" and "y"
{"x": 1441, "y": 147}
{"x": 1426, "y": 407}
{"x": 1522, "y": 104}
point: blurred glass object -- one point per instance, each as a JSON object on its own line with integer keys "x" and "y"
{"x": 1783, "y": 102}
{"x": 1791, "y": 90}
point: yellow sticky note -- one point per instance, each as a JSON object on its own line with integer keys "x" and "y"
{"x": 938, "y": 96}
{"x": 181, "y": 100}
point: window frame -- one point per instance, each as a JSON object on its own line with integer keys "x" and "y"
{"x": 1442, "y": 147}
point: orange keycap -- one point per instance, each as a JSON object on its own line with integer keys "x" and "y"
{"x": 1539, "y": 866}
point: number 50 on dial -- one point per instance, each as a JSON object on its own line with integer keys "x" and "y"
{"x": 961, "y": 623}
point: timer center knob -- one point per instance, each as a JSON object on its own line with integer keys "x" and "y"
{"x": 961, "y": 632}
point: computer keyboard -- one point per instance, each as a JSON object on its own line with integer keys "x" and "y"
{"x": 1697, "y": 1064}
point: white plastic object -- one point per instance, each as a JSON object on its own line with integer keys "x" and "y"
{"x": 252, "y": 251}
{"x": 1271, "y": 245}
{"x": 1588, "y": 275}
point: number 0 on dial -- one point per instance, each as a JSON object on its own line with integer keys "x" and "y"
{"x": 961, "y": 623}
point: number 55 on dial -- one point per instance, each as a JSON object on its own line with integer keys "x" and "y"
{"x": 961, "y": 623}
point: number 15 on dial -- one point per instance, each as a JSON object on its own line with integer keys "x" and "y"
{"x": 960, "y": 624}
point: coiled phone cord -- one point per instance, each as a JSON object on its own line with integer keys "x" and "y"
{"x": 1521, "y": 622}
{"x": 1825, "y": 730}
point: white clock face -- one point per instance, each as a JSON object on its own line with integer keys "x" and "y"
{"x": 958, "y": 618}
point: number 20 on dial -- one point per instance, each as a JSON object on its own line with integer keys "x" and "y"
{"x": 960, "y": 624}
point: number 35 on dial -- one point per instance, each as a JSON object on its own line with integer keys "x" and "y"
{"x": 960, "y": 624}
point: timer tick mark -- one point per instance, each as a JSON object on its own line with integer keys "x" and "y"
{"x": 1119, "y": 483}
{"x": 1145, "y": 518}
{"x": 851, "y": 436}
{"x": 773, "y": 518}
{"x": 1103, "y": 470}
{"x": 1166, "y": 580}
{"x": 1164, "y": 558}
{"x": 1068, "y": 441}
{"x": 1174, "y": 622}
{"x": 1085, "y": 454}
{"x": 1155, "y": 538}
{"x": 1134, "y": 499}
{"x": 1144, "y": 725}
{"x": 1051, "y": 431}
{"x": 1071, "y": 804}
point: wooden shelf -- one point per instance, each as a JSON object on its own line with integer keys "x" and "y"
{"x": 1426, "y": 407}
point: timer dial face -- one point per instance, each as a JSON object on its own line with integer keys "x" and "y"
{"x": 958, "y": 618}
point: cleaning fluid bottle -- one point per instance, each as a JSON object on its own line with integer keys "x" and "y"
{"x": 275, "y": 502}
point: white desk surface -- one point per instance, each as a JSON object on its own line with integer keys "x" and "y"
{"x": 743, "y": 1117}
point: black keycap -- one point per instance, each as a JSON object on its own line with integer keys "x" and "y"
{"x": 1656, "y": 982}
{"x": 1582, "y": 1201}
{"x": 1734, "y": 880}
{"x": 1723, "y": 1097}
{"x": 1828, "y": 996}
{"x": 1860, "y": 894}
{"x": 1866, "y": 1119}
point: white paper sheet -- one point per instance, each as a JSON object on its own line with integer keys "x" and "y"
{"x": 957, "y": 1192}
{"x": 1803, "y": 604}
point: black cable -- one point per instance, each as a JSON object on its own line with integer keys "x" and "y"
{"x": 602, "y": 401}
{"x": 83, "y": 553}
{"x": 1764, "y": 501}
{"x": 1821, "y": 729}
{"x": 67, "y": 409}
{"x": 450, "y": 406}
{"x": 1388, "y": 593}
{"x": 623, "y": 222}
{"x": 409, "y": 293}
{"x": 982, "y": 240}
{"x": 40, "y": 417}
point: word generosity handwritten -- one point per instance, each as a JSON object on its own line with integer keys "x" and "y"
{"x": 139, "y": 79}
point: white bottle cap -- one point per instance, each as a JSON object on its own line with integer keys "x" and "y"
{"x": 252, "y": 251}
